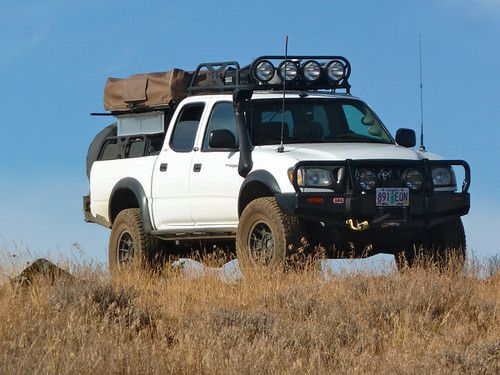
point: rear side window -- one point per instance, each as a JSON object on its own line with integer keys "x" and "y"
{"x": 185, "y": 130}
{"x": 222, "y": 117}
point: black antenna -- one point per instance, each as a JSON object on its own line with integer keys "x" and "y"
{"x": 281, "y": 148}
{"x": 422, "y": 147}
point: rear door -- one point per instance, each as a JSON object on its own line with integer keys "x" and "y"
{"x": 170, "y": 187}
{"x": 215, "y": 182}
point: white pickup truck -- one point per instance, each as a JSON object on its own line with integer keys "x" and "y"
{"x": 272, "y": 156}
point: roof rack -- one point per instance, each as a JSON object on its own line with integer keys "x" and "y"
{"x": 301, "y": 73}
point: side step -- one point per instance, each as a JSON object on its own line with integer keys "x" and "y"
{"x": 170, "y": 234}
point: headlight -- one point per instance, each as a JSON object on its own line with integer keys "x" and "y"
{"x": 311, "y": 70}
{"x": 443, "y": 176}
{"x": 367, "y": 179}
{"x": 335, "y": 70}
{"x": 312, "y": 177}
{"x": 288, "y": 71}
{"x": 264, "y": 71}
{"x": 413, "y": 179}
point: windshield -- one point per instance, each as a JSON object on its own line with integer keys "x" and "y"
{"x": 315, "y": 121}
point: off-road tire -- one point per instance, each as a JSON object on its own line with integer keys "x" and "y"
{"x": 146, "y": 248}
{"x": 286, "y": 231}
{"x": 443, "y": 246}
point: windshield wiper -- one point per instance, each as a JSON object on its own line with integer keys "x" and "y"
{"x": 356, "y": 138}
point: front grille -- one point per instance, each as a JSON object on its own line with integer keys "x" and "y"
{"x": 388, "y": 176}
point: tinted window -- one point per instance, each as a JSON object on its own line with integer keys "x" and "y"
{"x": 222, "y": 117}
{"x": 266, "y": 124}
{"x": 363, "y": 122}
{"x": 184, "y": 133}
{"x": 315, "y": 121}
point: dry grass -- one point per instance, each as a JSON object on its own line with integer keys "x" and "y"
{"x": 415, "y": 322}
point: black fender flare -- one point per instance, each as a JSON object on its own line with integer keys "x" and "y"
{"x": 260, "y": 176}
{"x": 131, "y": 184}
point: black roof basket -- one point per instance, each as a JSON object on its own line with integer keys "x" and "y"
{"x": 228, "y": 75}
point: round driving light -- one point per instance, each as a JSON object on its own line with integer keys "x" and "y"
{"x": 264, "y": 71}
{"x": 367, "y": 179}
{"x": 442, "y": 177}
{"x": 311, "y": 70}
{"x": 335, "y": 70}
{"x": 288, "y": 70}
{"x": 413, "y": 179}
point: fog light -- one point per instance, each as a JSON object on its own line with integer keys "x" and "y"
{"x": 413, "y": 179}
{"x": 367, "y": 179}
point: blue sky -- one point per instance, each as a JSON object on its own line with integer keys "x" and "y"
{"x": 56, "y": 56}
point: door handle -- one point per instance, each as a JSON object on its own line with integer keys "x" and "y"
{"x": 163, "y": 167}
{"x": 196, "y": 167}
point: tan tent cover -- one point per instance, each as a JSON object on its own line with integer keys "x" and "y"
{"x": 146, "y": 90}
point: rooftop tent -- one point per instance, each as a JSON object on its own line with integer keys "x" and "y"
{"x": 149, "y": 90}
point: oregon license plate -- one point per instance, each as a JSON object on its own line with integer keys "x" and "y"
{"x": 397, "y": 197}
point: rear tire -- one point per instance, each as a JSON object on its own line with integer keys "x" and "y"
{"x": 443, "y": 246}
{"x": 265, "y": 235}
{"x": 129, "y": 243}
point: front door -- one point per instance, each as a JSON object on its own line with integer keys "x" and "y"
{"x": 215, "y": 183}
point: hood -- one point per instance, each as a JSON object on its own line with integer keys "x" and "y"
{"x": 342, "y": 151}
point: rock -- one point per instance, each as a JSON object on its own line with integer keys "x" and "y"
{"x": 229, "y": 272}
{"x": 40, "y": 268}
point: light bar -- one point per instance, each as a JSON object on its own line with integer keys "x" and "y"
{"x": 328, "y": 72}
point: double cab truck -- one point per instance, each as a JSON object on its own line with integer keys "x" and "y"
{"x": 271, "y": 157}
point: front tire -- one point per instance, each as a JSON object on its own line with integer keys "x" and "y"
{"x": 265, "y": 235}
{"x": 129, "y": 243}
{"x": 443, "y": 246}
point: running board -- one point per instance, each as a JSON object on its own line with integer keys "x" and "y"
{"x": 173, "y": 235}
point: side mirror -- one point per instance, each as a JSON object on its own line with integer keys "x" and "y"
{"x": 406, "y": 137}
{"x": 222, "y": 138}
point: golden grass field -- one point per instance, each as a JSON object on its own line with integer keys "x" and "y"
{"x": 419, "y": 322}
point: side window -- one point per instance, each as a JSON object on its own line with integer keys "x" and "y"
{"x": 222, "y": 117}
{"x": 185, "y": 130}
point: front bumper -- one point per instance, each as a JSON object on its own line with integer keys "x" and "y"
{"x": 337, "y": 209}
{"x": 426, "y": 207}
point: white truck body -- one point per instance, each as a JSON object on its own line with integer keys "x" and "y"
{"x": 242, "y": 157}
{"x": 181, "y": 200}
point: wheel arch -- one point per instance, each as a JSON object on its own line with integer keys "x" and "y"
{"x": 129, "y": 193}
{"x": 257, "y": 184}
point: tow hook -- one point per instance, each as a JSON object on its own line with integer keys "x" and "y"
{"x": 357, "y": 226}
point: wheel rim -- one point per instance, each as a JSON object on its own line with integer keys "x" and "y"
{"x": 125, "y": 250}
{"x": 261, "y": 242}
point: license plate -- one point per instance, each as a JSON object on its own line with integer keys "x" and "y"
{"x": 397, "y": 197}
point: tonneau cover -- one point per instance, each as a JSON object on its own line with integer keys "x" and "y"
{"x": 149, "y": 90}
